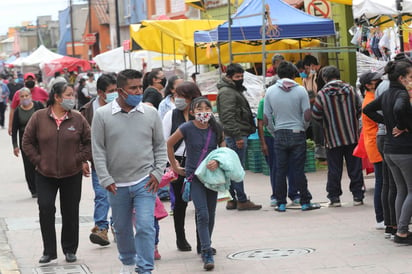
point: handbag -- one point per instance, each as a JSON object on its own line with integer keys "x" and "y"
{"x": 187, "y": 183}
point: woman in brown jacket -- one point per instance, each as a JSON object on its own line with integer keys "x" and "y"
{"x": 57, "y": 141}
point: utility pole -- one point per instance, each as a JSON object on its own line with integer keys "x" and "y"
{"x": 117, "y": 23}
{"x": 71, "y": 28}
{"x": 90, "y": 26}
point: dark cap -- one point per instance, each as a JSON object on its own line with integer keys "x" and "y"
{"x": 368, "y": 77}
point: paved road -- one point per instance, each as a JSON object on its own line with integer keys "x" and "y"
{"x": 329, "y": 240}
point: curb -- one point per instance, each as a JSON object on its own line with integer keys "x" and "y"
{"x": 8, "y": 264}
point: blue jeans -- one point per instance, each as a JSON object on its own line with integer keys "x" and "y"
{"x": 377, "y": 195}
{"x": 271, "y": 161}
{"x": 335, "y": 168}
{"x": 101, "y": 203}
{"x": 290, "y": 147}
{"x": 137, "y": 249}
{"x": 205, "y": 201}
{"x": 236, "y": 189}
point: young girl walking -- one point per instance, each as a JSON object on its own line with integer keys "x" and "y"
{"x": 201, "y": 136}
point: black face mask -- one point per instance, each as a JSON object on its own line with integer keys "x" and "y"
{"x": 238, "y": 83}
{"x": 29, "y": 84}
{"x": 163, "y": 82}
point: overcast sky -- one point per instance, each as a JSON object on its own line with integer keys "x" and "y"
{"x": 14, "y": 12}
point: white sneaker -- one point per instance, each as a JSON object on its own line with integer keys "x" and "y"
{"x": 127, "y": 269}
{"x": 380, "y": 225}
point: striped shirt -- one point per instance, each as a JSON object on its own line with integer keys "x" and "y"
{"x": 338, "y": 108}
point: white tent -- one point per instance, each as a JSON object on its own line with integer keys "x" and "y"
{"x": 40, "y": 55}
{"x": 371, "y": 8}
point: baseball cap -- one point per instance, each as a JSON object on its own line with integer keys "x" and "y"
{"x": 29, "y": 74}
{"x": 367, "y": 77}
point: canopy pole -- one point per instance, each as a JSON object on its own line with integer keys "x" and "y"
{"x": 399, "y": 23}
{"x": 220, "y": 60}
{"x": 264, "y": 19}
{"x": 229, "y": 31}
{"x": 174, "y": 55}
{"x": 196, "y": 71}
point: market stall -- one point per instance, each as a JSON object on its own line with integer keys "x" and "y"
{"x": 70, "y": 63}
{"x": 31, "y": 63}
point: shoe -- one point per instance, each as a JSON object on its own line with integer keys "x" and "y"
{"x": 231, "y": 204}
{"x": 388, "y": 232}
{"x": 34, "y": 195}
{"x": 183, "y": 245}
{"x": 403, "y": 240}
{"x": 281, "y": 208}
{"x": 310, "y": 206}
{"x": 207, "y": 257}
{"x": 394, "y": 230}
{"x": 212, "y": 248}
{"x": 70, "y": 257}
{"x": 296, "y": 202}
{"x": 127, "y": 269}
{"x": 157, "y": 254}
{"x": 99, "y": 236}
{"x": 273, "y": 202}
{"x": 47, "y": 258}
{"x": 335, "y": 203}
{"x": 357, "y": 201}
{"x": 248, "y": 205}
{"x": 380, "y": 226}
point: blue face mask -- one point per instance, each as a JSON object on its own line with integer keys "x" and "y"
{"x": 111, "y": 97}
{"x": 303, "y": 75}
{"x": 133, "y": 99}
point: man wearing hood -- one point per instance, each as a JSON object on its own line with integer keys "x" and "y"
{"x": 287, "y": 111}
{"x": 338, "y": 107}
{"x": 237, "y": 120}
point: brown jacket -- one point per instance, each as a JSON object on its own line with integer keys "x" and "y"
{"x": 57, "y": 152}
{"x": 87, "y": 111}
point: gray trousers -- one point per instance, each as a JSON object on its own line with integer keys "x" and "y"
{"x": 400, "y": 166}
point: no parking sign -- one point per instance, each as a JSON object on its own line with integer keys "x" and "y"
{"x": 319, "y": 8}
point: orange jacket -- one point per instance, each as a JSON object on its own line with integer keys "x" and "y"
{"x": 370, "y": 128}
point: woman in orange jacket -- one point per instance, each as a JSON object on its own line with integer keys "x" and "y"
{"x": 369, "y": 81}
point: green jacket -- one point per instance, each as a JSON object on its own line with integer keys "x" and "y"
{"x": 234, "y": 110}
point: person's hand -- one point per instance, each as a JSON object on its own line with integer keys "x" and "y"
{"x": 178, "y": 169}
{"x": 240, "y": 143}
{"x": 16, "y": 151}
{"x": 9, "y": 130}
{"x": 86, "y": 169}
{"x": 153, "y": 184}
{"x": 396, "y": 131}
{"x": 264, "y": 148}
{"x": 212, "y": 165}
{"x": 112, "y": 188}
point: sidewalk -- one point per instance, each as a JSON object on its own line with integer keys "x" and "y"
{"x": 329, "y": 240}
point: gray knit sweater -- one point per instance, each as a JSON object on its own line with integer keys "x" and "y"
{"x": 127, "y": 146}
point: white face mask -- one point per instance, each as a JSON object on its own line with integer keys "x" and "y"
{"x": 180, "y": 103}
{"x": 203, "y": 117}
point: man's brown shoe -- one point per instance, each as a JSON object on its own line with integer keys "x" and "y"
{"x": 248, "y": 205}
{"x": 99, "y": 236}
{"x": 231, "y": 204}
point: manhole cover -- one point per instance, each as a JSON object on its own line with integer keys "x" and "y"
{"x": 62, "y": 269}
{"x": 269, "y": 253}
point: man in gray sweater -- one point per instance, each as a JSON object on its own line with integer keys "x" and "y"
{"x": 129, "y": 154}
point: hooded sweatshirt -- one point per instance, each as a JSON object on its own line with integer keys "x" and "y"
{"x": 285, "y": 105}
{"x": 338, "y": 108}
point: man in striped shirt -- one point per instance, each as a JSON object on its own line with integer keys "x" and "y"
{"x": 338, "y": 108}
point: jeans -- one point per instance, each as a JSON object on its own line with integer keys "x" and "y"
{"x": 271, "y": 161}
{"x": 101, "y": 203}
{"x": 134, "y": 249}
{"x": 335, "y": 158}
{"x": 290, "y": 147}
{"x": 400, "y": 165}
{"x": 70, "y": 192}
{"x": 157, "y": 229}
{"x": 388, "y": 188}
{"x": 205, "y": 201}
{"x": 377, "y": 195}
{"x": 236, "y": 189}
{"x": 3, "y": 107}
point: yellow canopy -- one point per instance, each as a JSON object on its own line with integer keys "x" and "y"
{"x": 346, "y": 2}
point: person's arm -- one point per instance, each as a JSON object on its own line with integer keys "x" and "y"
{"x": 400, "y": 110}
{"x": 371, "y": 110}
{"x": 15, "y": 129}
{"x": 14, "y": 104}
{"x": 261, "y": 133}
{"x": 317, "y": 109}
{"x": 30, "y": 142}
{"x": 85, "y": 153}
{"x": 174, "y": 164}
{"x": 227, "y": 114}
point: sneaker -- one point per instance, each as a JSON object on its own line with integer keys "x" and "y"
{"x": 335, "y": 203}
{"x": 207, "y": 257}
{"x": 310, "y": 206}
{"x": 127, "y": 269}
{"x": 388, "y": 232}
{"x": 403, "y": 240}
{"x": 231, "y": 204}
{"x": 394, "y": 230}
{"x": 157, "y": 254}
{"x": 281, "y": 208}
{"x": 99, "y": 236}
{"x": 248, "y": 205}
{"x": 273, "y": 202}
{"x": 380, "y": 226}
{"x": 296, "y": 202}
{"x": 357, "y": 201}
